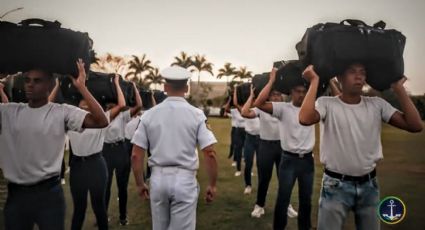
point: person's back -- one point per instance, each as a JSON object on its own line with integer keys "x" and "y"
{"x": 171, "y": 122}
{"x": 172, "y": 130}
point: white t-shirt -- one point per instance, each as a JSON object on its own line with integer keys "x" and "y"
{"x": 351, "y": 134}
{"x": 116, "y": 130}
{"x": 269, "y": 126}
{"x": 294, "y": 137}
{"x": 252, "y": 126}
{"x": 172, "y": 130}
{"x": 88, "y": 142}
{"x": 32, "y": 139}
{"x": 131, "y": 127}
{"x": 237, "y": 118}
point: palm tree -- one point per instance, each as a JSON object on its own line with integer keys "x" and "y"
{"x": 109, "y": 63}
{"x": 154, "y": 77}
{"x": 184, "y": 60}
{"x": 138, "y": 66}
{"x": 242, "y": 73}
{"x": 228, "y": 70}
{"x": 200, "y": 63}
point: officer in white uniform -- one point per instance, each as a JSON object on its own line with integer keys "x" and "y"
{"x": 117, "y": 157}
{"x": 31, "y": 140}
{"x": 173, "y": 129}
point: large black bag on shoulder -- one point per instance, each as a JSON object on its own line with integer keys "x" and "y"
{"x": 14, "y": 88}
{"x": 146, "y": 96}
{"x": 242, "y": 93}
{"x": 100, "y": 85}
{"x": 331, "y": 47}
{"x": 290, "y": 75}
{"x": 128, "y": 91}
{"x": 36, "y": 43}
{"x": 259, "y": 81}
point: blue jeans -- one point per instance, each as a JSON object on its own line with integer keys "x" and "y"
{"x": 249, "y": 149}
{"x": 294, "y": 168}
{"x": 338, "y": 197}
{"x": 43, "y": 205}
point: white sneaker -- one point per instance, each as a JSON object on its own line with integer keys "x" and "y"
{"x": 238, "y": 173}
{"x": 234, "y": 164}
{"x": 291, "y": 212}
{"x": 63, "y": 181}
{"x": 247, "y": 190}
{"x": 67, "y": 170}
{"x": 257, "y": 212}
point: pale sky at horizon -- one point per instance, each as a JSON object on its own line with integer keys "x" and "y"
{"x": 244, "y": 32}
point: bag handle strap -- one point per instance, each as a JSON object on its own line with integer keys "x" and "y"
{"x": 381, "y": 25}
{"x": 353, "y": 22}
{"x": 38, "y": 21}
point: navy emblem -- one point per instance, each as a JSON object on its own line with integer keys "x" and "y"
{"x": 391, "y": 210}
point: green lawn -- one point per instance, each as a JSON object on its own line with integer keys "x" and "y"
{"x": 402, "y": 173}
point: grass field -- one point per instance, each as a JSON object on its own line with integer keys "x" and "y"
{"x": 402, "y": 174}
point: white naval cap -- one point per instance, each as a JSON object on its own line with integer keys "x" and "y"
{"x": 175, "y": 73}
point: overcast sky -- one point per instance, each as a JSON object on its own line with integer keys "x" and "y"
{"x": 251, "y": 33}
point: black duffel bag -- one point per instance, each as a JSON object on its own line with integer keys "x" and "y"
{"x": 331, "y": 47}
{"x": 128, "y": 91}
{"x": 14, "y": 88}
{"x": 259, "y": 81}
{"x": 36, "y": 43}
{"x": 146, "y": 96}
{"x": 100, "y": 85}
{"x": 242, "y": 93}
{"x": 290, "y": 75}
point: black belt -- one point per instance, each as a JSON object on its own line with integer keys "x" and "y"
{"x": 359, "y": 179}
{"x": 115, "y": 143}
{"x": 86, "y": 158}
{"x": 47, "y": 183}
{"x": 299, "y": 155}
{"x": 268, "y": 141}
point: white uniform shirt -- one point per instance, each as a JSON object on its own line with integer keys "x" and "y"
{"x": 172, "y": 130}
{"x": 232, "y": 119}
{"x": 116, "y": 130}
{"x": 32, "y": 139}
{"x": 351, "y": 134}
{"x": 252, "y": 126}
{"x": 269, "y": 126}
{"x": 131, "y": 127}
{"x": 88, "y": 142}
{"x": 238, "y": 119}
{"x": 294, "y": 137}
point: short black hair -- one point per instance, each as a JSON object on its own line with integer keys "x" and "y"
{"x": 50, "y": 76}
{"x": 177, "y": 84}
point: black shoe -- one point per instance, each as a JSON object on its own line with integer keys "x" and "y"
{"x": 124, "y": 222}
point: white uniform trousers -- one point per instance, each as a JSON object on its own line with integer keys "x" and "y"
{"x": 174, "y": 196}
